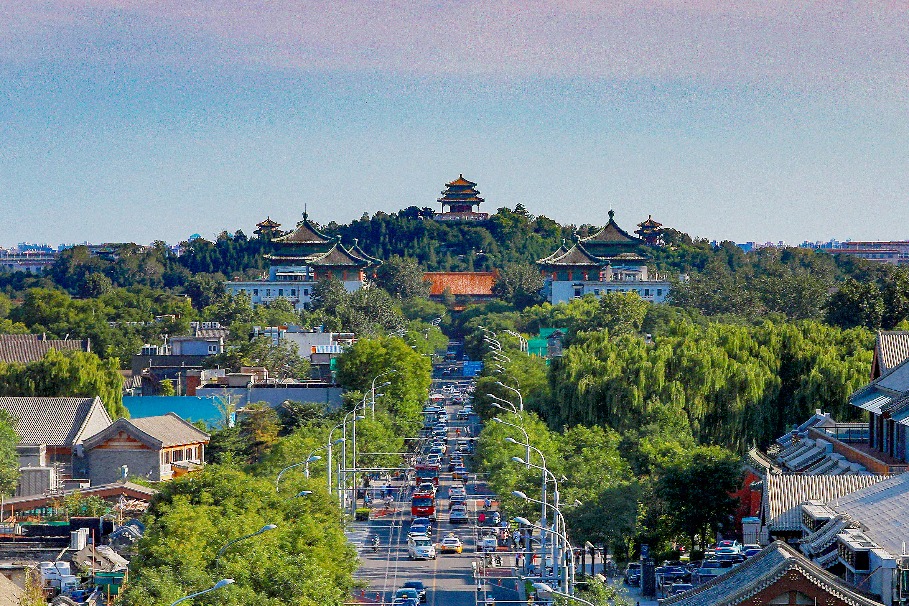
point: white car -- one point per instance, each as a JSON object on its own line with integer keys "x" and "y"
{"x": 421, "y": 548}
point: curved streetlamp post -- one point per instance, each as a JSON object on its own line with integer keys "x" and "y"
{"x": 547, "y": 589}
{"x": 262, "y": 530}
{"x": 220, "y": 584}
{"x": 510, "y": 388}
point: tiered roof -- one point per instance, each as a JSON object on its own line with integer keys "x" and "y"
{"x": 307, "y": 246}
{"x": 461, "y": 195}
{"x": 610, "y": 245}
{"x": 267, "y": 228}
{"x": 650, "y": 231}
{"x": 576, "y": 256}
{"x": 890, "y": 350}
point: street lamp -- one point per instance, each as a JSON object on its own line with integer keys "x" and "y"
{"x": 510, "y": 388}
{"x": 558, "y": 517}
{"x": 547, "y": 589}
{"x": 262, "y": 530}
{"x": 311, "y": 459}
{"x": 219, "y": 585}
{"x": 302, "y": 493}
{"x": 502, "y": 421}
{"x": 329, "y": 446}
{"x": 512, "y": 409}
{"x": 373, "y": 387}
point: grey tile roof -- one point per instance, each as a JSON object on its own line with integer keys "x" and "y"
{"x": 761, "y": 571}
{"x": 892, "y": 348}
{"x": 785, "y": 493}
{"x": 159, "y": 432}
{"x": 22, "y": 349}
{"x": 881, "y": 510}
{"x": 56, "y": 421}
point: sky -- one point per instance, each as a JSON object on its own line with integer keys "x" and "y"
{"x": 748, "y": 120}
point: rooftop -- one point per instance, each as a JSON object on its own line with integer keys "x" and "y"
{"x": 785, "y": 493}
{"x": 754, "y": 575}
{"x": 161, "y": 431}
{"x": 465, "y": 283}
{"x": 56, "y": 421}
{"x": 23, "y": 349}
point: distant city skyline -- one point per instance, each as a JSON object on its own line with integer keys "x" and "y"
{"x": 735, "y": 120}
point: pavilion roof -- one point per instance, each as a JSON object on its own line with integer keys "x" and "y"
{"x": 576, "y": 256}
{"x": 612, "y": 234}
{"x": 305, "y": 233}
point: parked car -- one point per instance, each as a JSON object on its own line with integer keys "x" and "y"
{"x": 418, "y": 586}
{"x": 633, "y": 569}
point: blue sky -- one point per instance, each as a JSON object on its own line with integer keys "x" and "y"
{"x": 124, "y": 120}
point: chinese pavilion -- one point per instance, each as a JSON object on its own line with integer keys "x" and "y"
{"x": 611, "y": 260}
{"x": 651, "y": 232}
{"x": 268, "y": 229}
{"x": 460, "y": 196}
{"x": 299, "y": 260}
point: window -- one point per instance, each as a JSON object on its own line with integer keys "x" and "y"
{"x": 293, "y": 292}
{"x": 578, "y": 291}
{"x": 305, "y": 292}
{"x": 596, "y": 291}
{"x": 267, "y": 292}
{"x": 212, "y": 349}
{"x": 659, "y": 292}
{"x": 646, "y": 292}
{"x": 256, "y": 292}
{"x": 280, "y": 292}
{"x": 177, "y": 456}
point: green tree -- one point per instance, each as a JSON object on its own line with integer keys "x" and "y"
{"x": 259, "y": 426}
{"x": 696, "y": 489}
{"x": 402, "y": 277}
{"x": 410, "y": 381}
{"x": 9, "y": 459}
{"x": 856, "y": 304}
{"x": 166, "y": 388}
{"x": 67, "y": 374}
{"x": 519, "y": 284}
{"x": 620, "y": 313}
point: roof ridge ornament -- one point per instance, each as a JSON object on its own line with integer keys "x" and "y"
{"x": 611, "y": 215}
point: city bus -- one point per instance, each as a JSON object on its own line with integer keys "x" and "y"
{"x": 423, "y": 505}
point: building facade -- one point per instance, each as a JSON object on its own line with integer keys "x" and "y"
{"x": 302, "y": 258}
{"x": 611, "y": 260}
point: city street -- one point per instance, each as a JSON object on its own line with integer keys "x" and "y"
{"x": 450, "y": 579}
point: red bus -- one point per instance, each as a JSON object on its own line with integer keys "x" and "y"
{"x": 423, "y": 505}
{"x": 427, "y": 473}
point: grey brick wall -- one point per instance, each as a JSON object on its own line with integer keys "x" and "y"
{"x": 104, "y": 465}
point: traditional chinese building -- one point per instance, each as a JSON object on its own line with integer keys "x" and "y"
{"x": 651, "y": 232}
{"x": 268, "y": 229}
{"x": 611, "y": 260}
{"x": 302, "y": 258}
{"x": 460, "y": 197}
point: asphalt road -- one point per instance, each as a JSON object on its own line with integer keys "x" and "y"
{"x": 450, "y": 578}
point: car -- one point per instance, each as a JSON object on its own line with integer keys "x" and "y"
{"x": 458, "y": 515}
{"x": 422, "y": 521}
{"x": 409, "y": 593}
{"x": 418, "y": 530}
{"x": 426, "y": 488}
{"x": 457, "y": 490}
{"x": 418, "y": 585}
{"x": 488, "y": 543}
{"x": 451, "y": 544}
{"x": 459, "y": 473}
{"x": 750, "y": 553}
{"x": 634, "y": 568}
{"x": 456, "y": 501}
{"x": 710, "y": 569}
{"x": 462, "y": 415}
{"x": 405, "y": 602}
{"x": 420, "y": 547}
{"x": 729, "y": 544}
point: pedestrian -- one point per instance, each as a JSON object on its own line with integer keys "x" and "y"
{"x": 487, "y": 503}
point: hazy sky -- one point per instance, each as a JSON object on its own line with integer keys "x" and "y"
{"x": 129, "y": 120}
